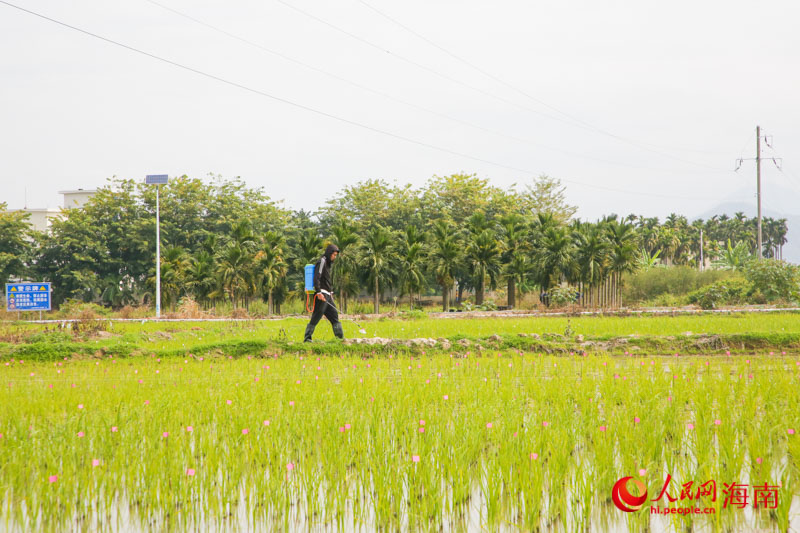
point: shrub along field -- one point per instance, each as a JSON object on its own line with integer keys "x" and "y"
{"x": 503, "y": 441}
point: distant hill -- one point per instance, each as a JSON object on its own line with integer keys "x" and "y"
{"x": 778, "y": 202}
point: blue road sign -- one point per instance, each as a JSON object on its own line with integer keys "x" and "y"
{"x": 156, "y": 179}
{"x": 28, "y": 296}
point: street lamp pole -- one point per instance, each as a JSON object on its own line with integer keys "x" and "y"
{"x": 157, "y": 180}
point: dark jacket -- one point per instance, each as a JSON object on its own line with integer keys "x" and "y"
{"x": 322, "y": 270}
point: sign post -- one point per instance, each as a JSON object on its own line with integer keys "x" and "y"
{"x": 28, "y": 297}
{"x": 157, "y": 180}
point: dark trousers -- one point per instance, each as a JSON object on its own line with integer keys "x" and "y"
{"x": 328, "y": 309}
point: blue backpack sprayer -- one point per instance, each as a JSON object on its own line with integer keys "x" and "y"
{"x": 309, "y": 274}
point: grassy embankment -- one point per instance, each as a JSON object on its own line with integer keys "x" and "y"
{"x": 697, "y": 333}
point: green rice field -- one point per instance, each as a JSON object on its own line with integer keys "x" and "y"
{"x": 505, "y": 441}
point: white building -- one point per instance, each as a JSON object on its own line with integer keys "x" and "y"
{"x": 40, "y": 219}
{"x": 77, "y": 198}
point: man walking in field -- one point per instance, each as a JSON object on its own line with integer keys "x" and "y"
{"x": 323, "y": 295}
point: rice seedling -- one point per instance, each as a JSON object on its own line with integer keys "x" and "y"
{"x": 502, "y": 441}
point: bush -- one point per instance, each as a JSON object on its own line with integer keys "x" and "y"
{"x": 776, "y": 280}
{"x": 83, "y": 310}
{"x": 258, "y": 309}
{"x": 561, "y": 296}
{"x": 676, "y": 281}
{"x": 727, "y": 292}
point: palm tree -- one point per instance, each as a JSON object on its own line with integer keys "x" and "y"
{"x": 622, "y": 238}
{"x": 483, "y": 252}
{"x": 592, "y": 257}
{"x": 377, "y": 256}
{"x": 554, "y": 258}
{"x": 412, "y": 260}
{"x": 271, "y": 265}
{"x": 345, "y": 275}
{"x": 200, "y": 276}
{"x": 514, "y": 235}
{"x": 174, "y": 263}
{"x": 445, "y": 255}
{"x": 233, "y": 270}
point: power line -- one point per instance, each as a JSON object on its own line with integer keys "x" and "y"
{"x": 320, "y": 112}
{"x": 391, "y": 97}
{"x": 578, "y": 121}
{"x": 571, "y": 121}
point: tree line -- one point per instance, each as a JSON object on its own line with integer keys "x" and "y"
{"x": 457, "y": 235}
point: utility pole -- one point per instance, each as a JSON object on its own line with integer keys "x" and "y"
{"x": 758, "y": 181}
{"x": 777, "y": 161}
{"x": 157, "y": 180}
{"x": 701, "y": 250}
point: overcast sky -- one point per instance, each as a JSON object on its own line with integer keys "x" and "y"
{"x": 638, "y": 106}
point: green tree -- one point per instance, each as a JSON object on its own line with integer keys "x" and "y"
{"x": 445, "y": 255}
{"x": 483, "y": 252}
{"x": 514, "y": 233}
{"x": 271, "y": 265}
{"x": 412, "y": 258}
{"x": 16, "y": 244}
{"x": 377, "y": 257}
{"x": 547, "y": 195}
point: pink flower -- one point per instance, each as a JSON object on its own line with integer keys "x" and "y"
{"x": 421, "y": 422}
{"x": 415, "y": 458}
{"x": 669, "y": 398}
{"x": 245, "y": 431}
{"x": 140, "y": 381}
{"x": 545, "y": 424}
{"x": 228, "y": 402}
{"x": 80, "y": 434}
{"x": 147, "y": 402}
{"x": 636, "y": 420}
{"x": 80, "y": 406}
{"x": 95, "y": 462}
{"x": 717, "y": 422}
{"x": 642, "y": 471}
{"x": 52, "y": 479}
{"x": 515, "y": 433}
{"x": 291, "y": 403}
{"x": 489, "y": 425}
{"x": 690, "y": 425}
{"x": 534, "y": 456}
{"x": 290, "y": 466}
{"x": 190, "y": 471}
{"x": 758, "y": 460}
{"x": 266, "y": 422}
{"x": 165, "y": 434}
{"x": 602, "y": 428}
{"x": 790, "y": 431}
{"x": 347, "y": 426}
{"x": 422, "y": 430}
{"x": 341, "y": 429}
{"x": 446, "y": 397}
{"x": 113, "y": 429}
{"x": 189, "y": 429}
